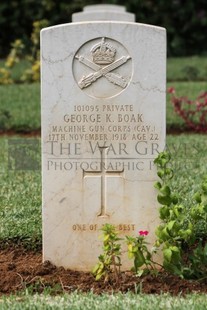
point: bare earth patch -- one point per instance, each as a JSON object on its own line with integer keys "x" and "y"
{"x": 20, "y": 269}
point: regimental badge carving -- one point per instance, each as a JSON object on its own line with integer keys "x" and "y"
{"x": 102, "y": 68}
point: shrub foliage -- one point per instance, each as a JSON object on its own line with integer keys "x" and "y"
{"x": 185, "y": 21}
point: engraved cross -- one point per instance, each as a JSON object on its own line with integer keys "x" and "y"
{"x": 103, "y": 173}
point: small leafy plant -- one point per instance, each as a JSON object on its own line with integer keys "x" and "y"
{"x": 138, "y": 250}
{"x": 182, "y": 235}
{"x": 184, "y": 252}
{"x": 110, "y": 261}
{"x": 194, "y": 113}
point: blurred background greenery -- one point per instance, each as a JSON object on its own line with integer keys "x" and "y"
{"x": 185, "y": 20}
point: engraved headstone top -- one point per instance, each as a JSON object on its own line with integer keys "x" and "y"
{"x": 103, "y": 123}
{"x": 104, "y": 7}
{"x": 103, "y": 12}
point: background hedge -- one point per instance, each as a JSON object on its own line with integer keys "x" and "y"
{"x": 185, "y": 20}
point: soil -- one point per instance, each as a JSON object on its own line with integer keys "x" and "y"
{"x": 20, "y": 269}
{"x": 21, "y": 133}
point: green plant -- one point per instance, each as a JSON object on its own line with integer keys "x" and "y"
{"x": 110, "y": 260}
{"x": 15, "y": 53}
{"x": 12, "y": 59}
{"x": 186, "y": 31}
{"x": 183, "y": 251}
{"x": 138, "y": 250}
{"x": 5, "y": 76}
{"x": 33, "y": 73}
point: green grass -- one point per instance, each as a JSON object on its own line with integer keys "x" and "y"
{"x": 77, "y": 301}
{"x": 20, "y": 193}
{"x": 19, "y": 69}
{"x": 187, "y": 69}
{"x": 20, "y": 189}
{"x": 189, "y": 162}
{"x": 20, "y": 107}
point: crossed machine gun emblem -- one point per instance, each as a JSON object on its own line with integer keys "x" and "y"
{"x": 103, "y": 55}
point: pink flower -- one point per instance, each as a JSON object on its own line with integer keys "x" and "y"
{"x": 143, "y": 232}
{"x": 171, "y": 90}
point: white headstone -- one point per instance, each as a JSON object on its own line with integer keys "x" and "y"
{"x": 103, "y": 123}
{"x": 104, "y": 7}
{"x": 103, "y": 12}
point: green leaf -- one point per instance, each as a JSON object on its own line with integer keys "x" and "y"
{"x": 164, "y": 200}
{"x": 176, "y": 212}
{"x": 205, "y": 250}
{"x": 130, "y": 247}
{"x": 106, "y": 237}
{"x": 174, "y": 199}
{"x": 175, "y": 249}
{"x": 130, "y": 255}
{"x": 99, "y": 276}
{"x": 197, "y": 197}
{"x": 164, "y": 234}
{"x": 138, "y": 262}
{"x": 161, "y": 174}
{"x": 156, "y": 160}
{"x": 134, "y": 249}
{"x": 164, "y": 212}
{"x": 204, "y": 198}
{"x": 169, "y": 172}
{"x": 140, "y": 272}
{"x": 170, "y": 225}
{"x": 165, "y": 190}
{"x": 167, "y": 254}
{"x": 173, "y": 268}
{"x": 95, "y": 269}
{"x": 185, "y": 234}
{"x": 158, "y": 185}
{"x": 204, "y": 187}
{"x": 139, "y": 258}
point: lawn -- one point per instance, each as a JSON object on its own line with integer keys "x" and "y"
{"x": 77, "y": 301}
{"x": 20, "y": 107}
{"x": 187, "y": 69}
